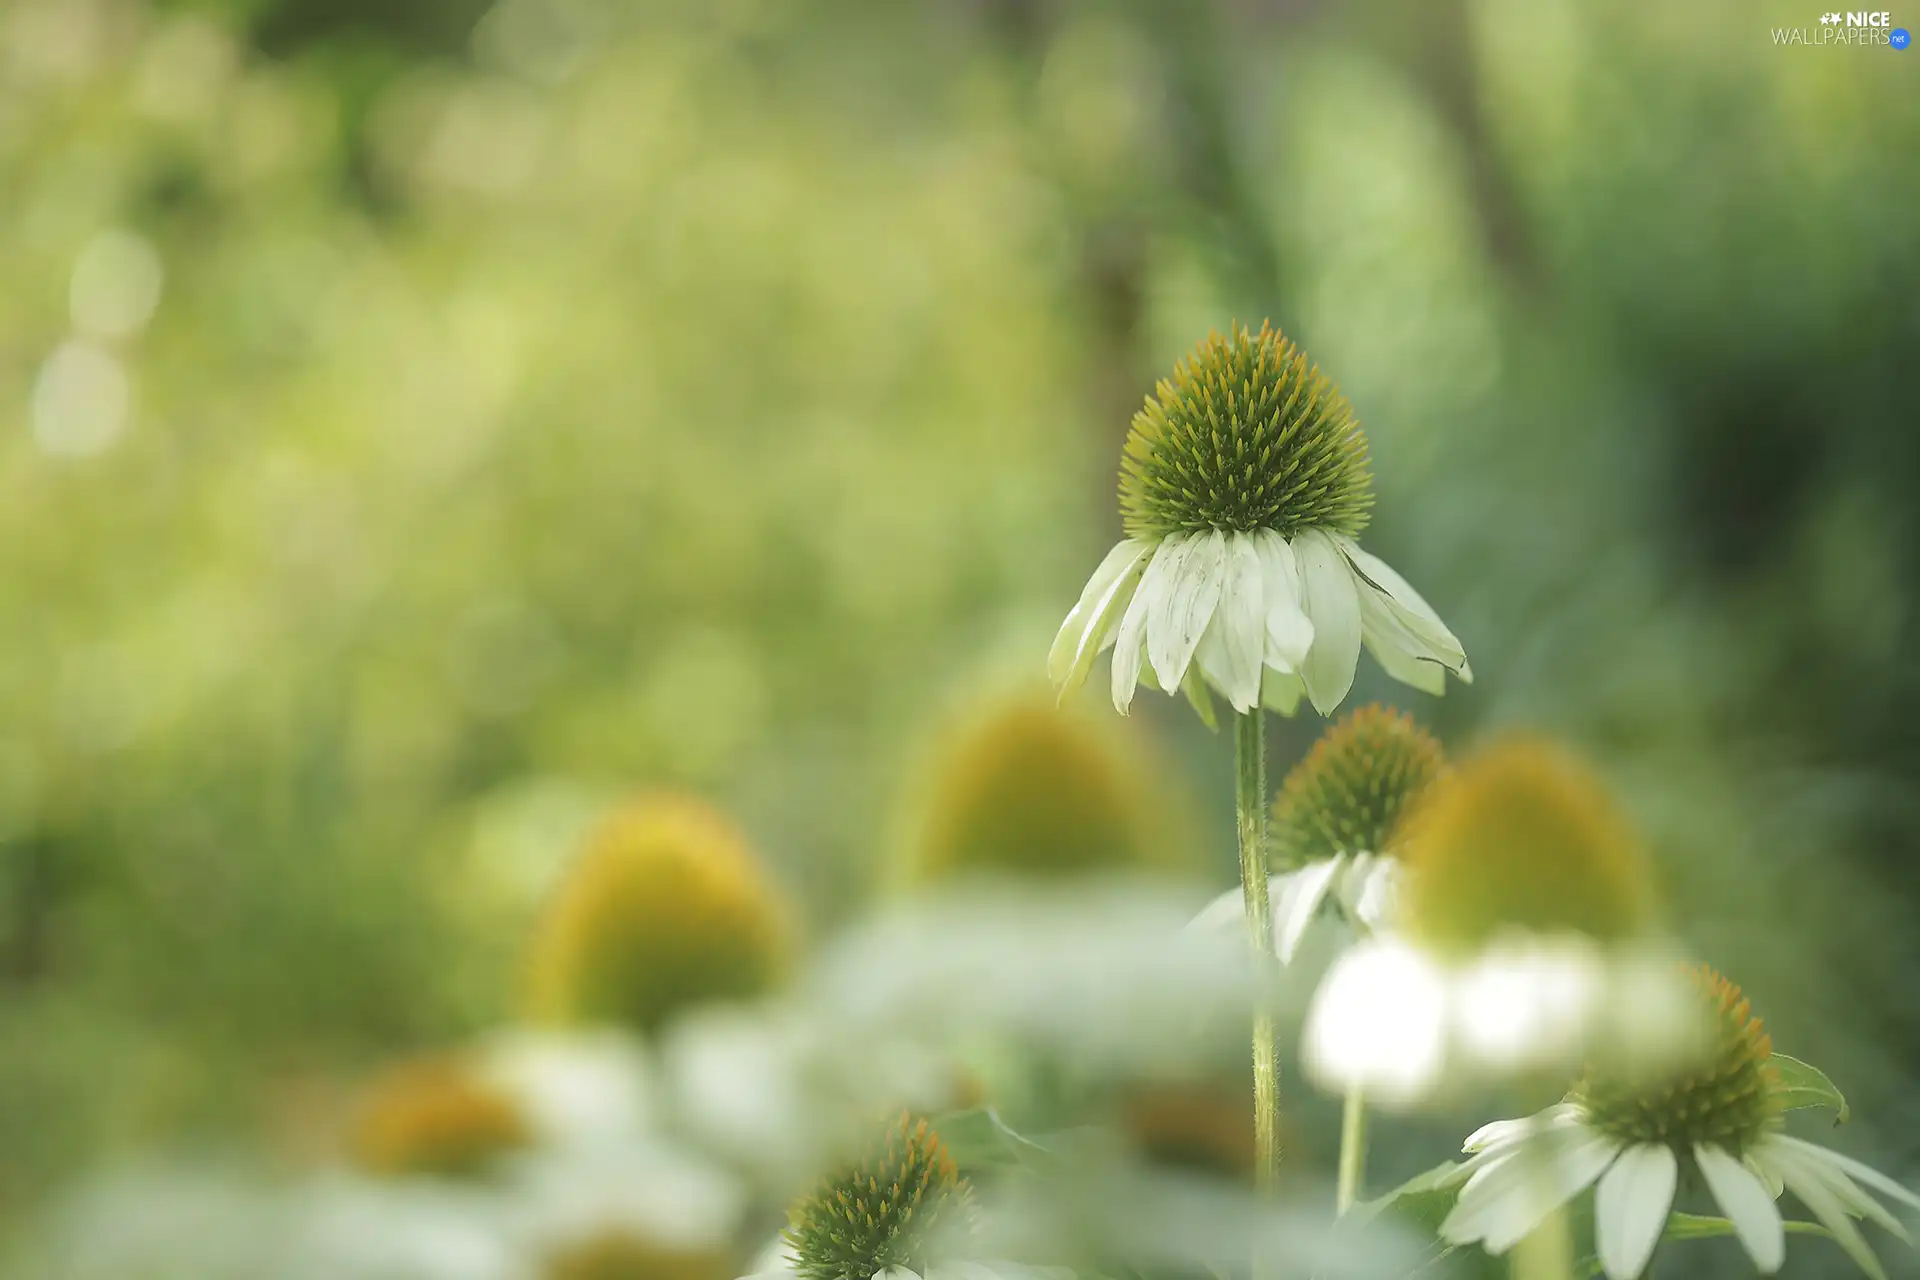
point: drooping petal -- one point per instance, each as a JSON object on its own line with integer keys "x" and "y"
{"x": 1307, "y": 890}
{"x": 1406, "y": 604}
{"x": 1092, "y": 618}
{"x": 1280, "y": 691}
{"x": 1387, "y": 647}
{"x": 1374, "y": 899}
{"x": 1743, "y": 1197}
{"x": 1130, "y": 642}
{"x": 1235, "y": 642}
{"x": 1193, "y": 592}
{"x": 1229, "y": 910}
{"x": 1761, "y": 1167}
{"x": 1818, "y": 1163}
{"x": 1630, "y": 1208}
{"x": 1289, "y": 632}
{"x": 1807, "y": 1184}
{"x": 1864, "y": 1172}
{"x": 1333, "y": 603}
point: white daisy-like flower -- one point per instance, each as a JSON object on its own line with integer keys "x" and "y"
{"x": 1245, "y": 483}
{"x": 1521, "y": 938}
{"x": 1633, "y": 1139}
{"x": 1338, "y": 811}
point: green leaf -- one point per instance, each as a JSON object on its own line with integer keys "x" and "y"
{"x": 1804, "y": 1085}
{"x": 1422, "y": 1194}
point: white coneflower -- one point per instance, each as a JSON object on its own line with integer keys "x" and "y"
{"x": 1244, "y": 485}
{"x": 1336, "y": 823}
{"x": 1636, "y": 1136}
{"x": 1521, "y": 934}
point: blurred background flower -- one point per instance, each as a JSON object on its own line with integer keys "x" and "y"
{"x": 429, "y": 424}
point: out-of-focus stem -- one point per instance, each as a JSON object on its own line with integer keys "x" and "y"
{"x": 1353, "y": 1150}
{"x": 1547, "y": 1252}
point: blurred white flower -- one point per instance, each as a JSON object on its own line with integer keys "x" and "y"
{"x": 574, "y": 1088}
{"x": 658, "y": 1194}
{"x": 1396, "y": 1022}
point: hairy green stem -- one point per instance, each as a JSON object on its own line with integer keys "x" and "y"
{"x": 1250, "y": 808}
{"x": 1353, "y": 1150}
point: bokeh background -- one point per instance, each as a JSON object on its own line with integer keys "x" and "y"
{"x": 424, "y": 424}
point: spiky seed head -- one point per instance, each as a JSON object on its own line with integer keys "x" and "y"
{"x": 435, "y": 1117}
{"x": 1728, "y": 1097}
{"x": 1247, "y": 434}
{"x": 1521, "y": 837}
{"x": 1030, "y": 789}
{"x": 619, "y": 1255}
{"x": 666, "y": 908}
{"x": 889, "y": 1208}
{"x": 1350, "y": 792}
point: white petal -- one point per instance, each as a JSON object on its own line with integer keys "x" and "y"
{"x": 1280, "y": 692}
{"x": 1374, "y": 901}
{"x": 1630, "y": 1208}
{"x": 1240, "y": 623}
{"x": 1808, "y": 1185}
{"x": 1289, "y": 632}
{"x": 1333, "y": 603}
{"x": 1405, "y": 604}
{"x": 1229, "y": 910}
{"x": 1554, "y": 1117}
{"x": 1194, "y": 685}
{"x": 1570, "y": 1172}
{"x": 1818, "y": 1162}
{"x": 1130, "y": 642}
{"x": 1389, "y": 649}
{"x": 1517, "y": 1191}
{"x": 1747, "y": 1204}
{"x": 1092, "y": 619}
{"x": 1307, "y": 891}
{"x": 1175, "y": 629}
{"x": 1864, "y": 1172}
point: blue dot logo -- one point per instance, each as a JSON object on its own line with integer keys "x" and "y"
{"x": 1899, "y": 38}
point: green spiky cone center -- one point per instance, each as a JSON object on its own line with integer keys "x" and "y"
{"x": 1728, "y": 1098}
{"x": 1349, "y": 793}
{"x": 1247, "y": 434}
{"x": 884, "y": 1210}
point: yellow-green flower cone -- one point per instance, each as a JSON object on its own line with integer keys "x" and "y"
{"x": 1350, "y": 792}
{"x": 435, "y": 1117}
{"x": 1031, "y": 789}
{"x": 667, "y": 908}
{"x": 1728, "y": 1097}
{"x": 1521, "y": 837}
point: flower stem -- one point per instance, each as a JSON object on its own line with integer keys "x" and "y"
{"x": 1353, "y": 1150}
{"x": 1547, "y": 1252}
{"x": 1250, "y": 808}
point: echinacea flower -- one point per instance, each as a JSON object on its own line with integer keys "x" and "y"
{"x": 1244, "y": 485}
{"x": 1634, "y": 1137}
{"x": 1521, "y": 932}
{"x": 1336, "y": 823}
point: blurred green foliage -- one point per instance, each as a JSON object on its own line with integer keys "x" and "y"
{"x": 424, "y": 422}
